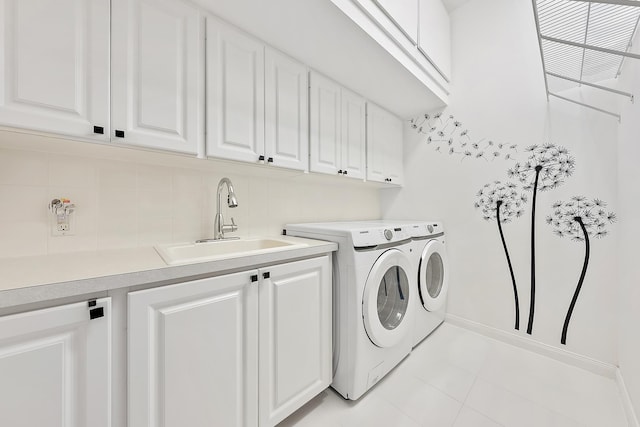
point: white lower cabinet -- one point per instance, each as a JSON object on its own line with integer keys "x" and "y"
{"x": 55, "y": 366}
{"x": 193, "y": 353}
{"x": 199, "y": 349}
{"x": 295, "y": 336}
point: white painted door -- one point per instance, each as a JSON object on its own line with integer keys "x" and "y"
{"x": 55, "y": 367}
{"x": 434, "y": 35}
{"x": 156, "y": 60}
{"x": 404, "y": 13}
{"x": 384, "y": 146}
{"x": 286, "y": 111}
{"x": 353, "y": 125}
{"x": 235, "y": 93}
{"x": 325, "y": 131}
{"x": 54, "y": 66}
{"x": 295, "y": 336}
{"x": 193, "y": 351}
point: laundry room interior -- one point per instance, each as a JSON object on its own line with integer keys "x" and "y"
{"x": 319, "y": 213}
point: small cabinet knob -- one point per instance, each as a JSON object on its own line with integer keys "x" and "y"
{"x": 266, "y": 275}
{"x": 98, "y": 129}
{"x": 344, "y": 172}
{"x": 340, "y": 172}
{"x": 119, "y": 133}
{"x": 270, "y": 160}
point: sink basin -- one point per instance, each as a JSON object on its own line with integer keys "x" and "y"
{"x": 189, "y": 253}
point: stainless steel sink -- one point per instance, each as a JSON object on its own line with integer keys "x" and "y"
{"x": 189, "y": 253}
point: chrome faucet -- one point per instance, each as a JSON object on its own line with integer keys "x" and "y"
{"x": 219, "y": 227}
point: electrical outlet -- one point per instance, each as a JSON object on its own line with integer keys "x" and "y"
{"x": 63, "y": 227}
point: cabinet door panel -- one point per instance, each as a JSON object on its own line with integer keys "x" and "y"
{"x": 55, "y": 366}
{"x": 353, "y": 134}
{"x": 295, "y": 337}
{"x": 395, "y": 150}
{"x": 54, "y": 62}
{"x": 376, "y": 141}
{"x": 156, "y": 61}
{"x": 193, "y": 353}
{"x": 384, "y": 146}
{"x": 434, "y": 36}
{"x": 286, "y": 111}
{"x": 404, "y": 14}
{"x": 235, "y": 93}
{"x": 324, "y": 109}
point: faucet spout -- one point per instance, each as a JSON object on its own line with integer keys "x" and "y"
{"x": 220, "y": 227}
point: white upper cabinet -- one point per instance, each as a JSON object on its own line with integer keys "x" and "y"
{"x": 337, "y": 129}
{"x": 54, "y": 66}
{"x": 434, "y": 35}
{"x": 55, "y": 366}
{"x": 384, "y": 146}
{"x": 354, "y": 136}
{"x": 324, "y": 112}
{"x": 156, "y": 74}
{"x": 235, "y": 93}
{"x": 286, "y": 111}
{"x": 404, "y": 14}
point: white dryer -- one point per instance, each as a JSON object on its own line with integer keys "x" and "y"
{"x": 375, "y": 295}
{"x": 432, "y": 267}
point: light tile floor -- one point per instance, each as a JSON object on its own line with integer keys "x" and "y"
{"x": 458, "y": 378}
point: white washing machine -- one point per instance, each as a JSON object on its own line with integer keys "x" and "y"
{"x": 375, "y": 294}
{"x": 431, "y": 269}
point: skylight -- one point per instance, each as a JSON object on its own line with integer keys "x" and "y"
{"x": 585, "y": 42}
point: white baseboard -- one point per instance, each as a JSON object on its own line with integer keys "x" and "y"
{"x": 587, "y": 363}
{"x": 626, "y": 400}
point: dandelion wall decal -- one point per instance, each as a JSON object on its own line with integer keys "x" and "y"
{"x": 441, "y": 130}
{"x": 501, "y": 203}
{"x": 545, "y": 168}
{"x": 579, "y": 219}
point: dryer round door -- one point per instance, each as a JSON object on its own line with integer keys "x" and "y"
{"x": 386, "y": 306}
{"x": 433, "y": 276}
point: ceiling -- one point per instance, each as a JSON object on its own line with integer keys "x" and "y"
{"x": 452, "y": 5}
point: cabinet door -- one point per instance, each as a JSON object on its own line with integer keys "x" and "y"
{"x": 55, "y": 366}
{"x": 286, "y": 111}
{"x": 384, "y": 146}
{"x": 434, "y": 36}
{"x": 295, "y": 336}
{"x": 353, "y": 135}
{"x": 54, "y": 66}
{"x": 325, "y": 131}
{"x": 404, "y": 14}
{"x": 193, "y": 353}
{"x": 376, "y": 141}
{"x": 156, "y": 78}
{"x": 235, "y": 93}
{"x": 395, "y": 167}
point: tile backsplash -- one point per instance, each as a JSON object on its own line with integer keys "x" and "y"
{"x": 123, "y": 204}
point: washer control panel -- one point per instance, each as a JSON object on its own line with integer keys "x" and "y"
{"x": 379, "y": 236}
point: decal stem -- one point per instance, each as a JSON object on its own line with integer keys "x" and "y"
{"x": 506, "y": 252}
{"x": 567, "y": 319}
{"x": 532, "y": 302}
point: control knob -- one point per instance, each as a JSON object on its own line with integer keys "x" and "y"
{"x": 430, "y": 228}
{"x": 388, "y": 234}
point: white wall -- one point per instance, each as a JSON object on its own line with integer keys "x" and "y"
{"x": 129, "y": 198}
{"x": 499, "y": 94}
{"x": 628, "y": 232}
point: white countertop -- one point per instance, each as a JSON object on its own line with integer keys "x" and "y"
{"x": 27, "y": 280}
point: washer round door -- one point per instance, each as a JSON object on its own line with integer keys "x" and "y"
{"x": 432, "y": 276}
{"x": 386, "y": 306}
